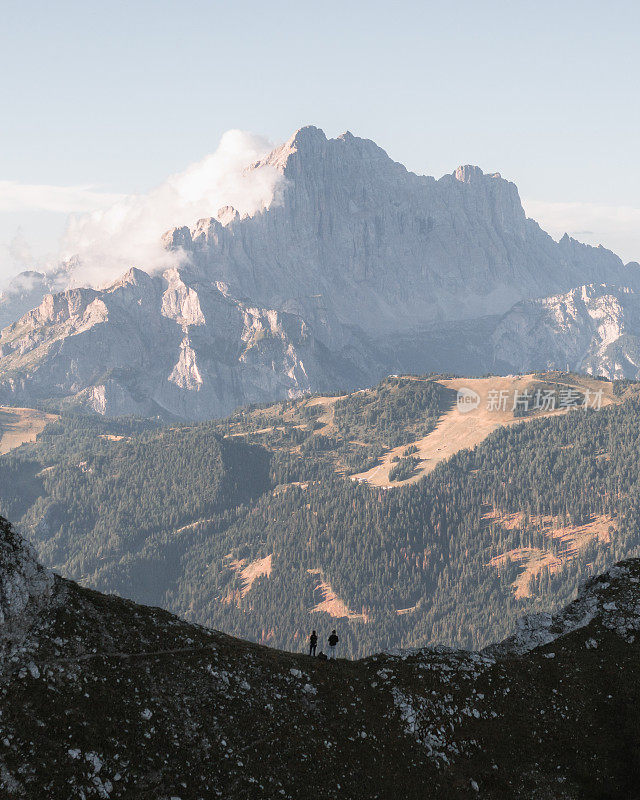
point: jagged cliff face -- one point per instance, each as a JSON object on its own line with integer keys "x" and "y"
{"x": 23, "y": 582}
{"x": 169, "y": 343}
{"x": 594, "y": 328}
{"x": 358, "y": 238}
{"x": 356, "y": 268}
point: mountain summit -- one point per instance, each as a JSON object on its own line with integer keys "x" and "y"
{"x": 353, "y": 269}
{"x": 384, "y": 249}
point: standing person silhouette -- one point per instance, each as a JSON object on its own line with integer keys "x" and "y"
{"x": 313, "y": 643}
{"x": 333, "y": 641}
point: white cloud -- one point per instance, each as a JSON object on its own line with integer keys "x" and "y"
{"x": 60, "y": 199}
{"x": 615, "y": 227}
{"x": 127, "y": 233}
{"x": 19, "y": 249}
{"x": 110, "y": 232}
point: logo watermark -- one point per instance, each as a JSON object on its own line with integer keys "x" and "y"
{"x": 525, "y": 401}
{"x": 467, "y": 400}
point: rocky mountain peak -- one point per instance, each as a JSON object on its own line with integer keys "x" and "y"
{"x": 177, "y": 238}
{"x": 309, "y": 148}
{"x": 132, "y": 277}
{"x": 633, "y": 270}
{"x": 467, "y": 173}
{"x": 306, "y": 137}
{"x": 24, "y": 280}
{"x": 227, "y": 214}
{"x": 355, "y": 256}
{"x": 23, "y": 293}
{"x": 306, "y": 141}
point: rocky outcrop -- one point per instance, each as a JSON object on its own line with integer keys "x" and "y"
{"x": 169, "y": 344}
{"x": 22, "y": 580}
{"x": 593, "y": 328}
{"x": 359, "y": 240}
{"x": 356, "y": 268}
{"x": 611, "y": 599}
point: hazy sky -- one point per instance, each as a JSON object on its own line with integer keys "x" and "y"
{"x": 112, "y": 97}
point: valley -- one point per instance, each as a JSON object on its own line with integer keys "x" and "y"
{"x": 320, "y": 453}
{"x": 254, "y": 523}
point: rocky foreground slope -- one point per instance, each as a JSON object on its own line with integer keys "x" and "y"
{"x": 355, "y": 269}
{"x": 596, "y": 326}
{"x": 102, "y": 698}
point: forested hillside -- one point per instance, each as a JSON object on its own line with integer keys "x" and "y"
{"x": 113, "y": 490}
{"x": 250, "y": 524}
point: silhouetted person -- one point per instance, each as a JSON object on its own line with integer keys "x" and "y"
{"x": 313, "y": 643}
{"x": 333, "y": 641}
{"x": 322, "y": 656}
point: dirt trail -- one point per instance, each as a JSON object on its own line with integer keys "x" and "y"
{"x": 457, "y": 430}
{"x": 21, "y": 425}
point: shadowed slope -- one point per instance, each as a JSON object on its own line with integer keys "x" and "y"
{"x": 102, "y": 698}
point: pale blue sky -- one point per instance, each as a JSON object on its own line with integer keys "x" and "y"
{"x": 117, "y": 95}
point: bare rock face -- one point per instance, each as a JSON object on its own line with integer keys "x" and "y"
{"x": 609, "y": 598}
{"x": 165, "y": 344}
{"x": 22, "y": 579}
{"x": 357, "y": 268}
{"x": 359, "y": 240}
{"x": 593, "y": 328}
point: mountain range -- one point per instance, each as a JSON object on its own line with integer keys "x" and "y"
{"x": 354, "y": 269}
